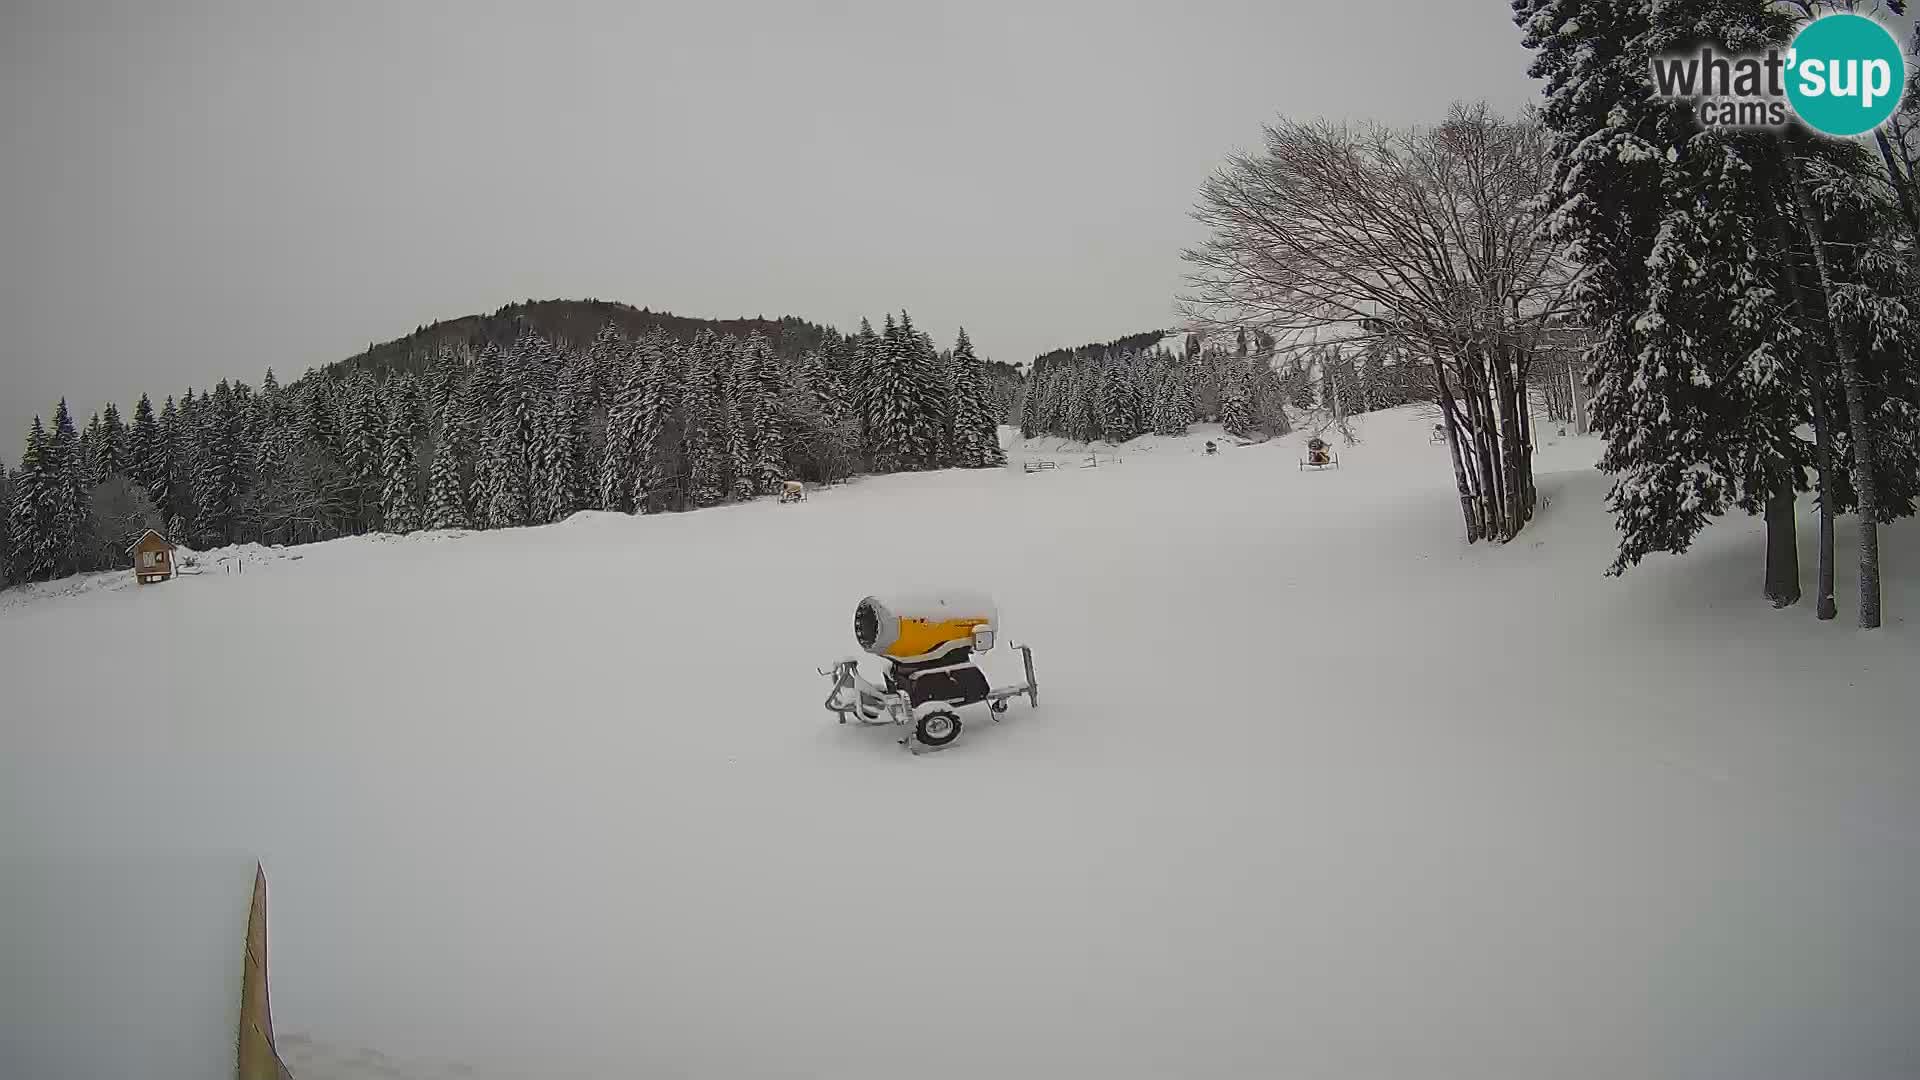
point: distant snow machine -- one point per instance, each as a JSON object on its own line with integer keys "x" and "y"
{"x": 928, "y": 642}
{"x": 1319, "y": 455}
{"x": 1212, "y": 449}
{"x": 793, "y": 491}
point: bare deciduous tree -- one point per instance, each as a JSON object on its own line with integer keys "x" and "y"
{"x": 1423, "y": 240}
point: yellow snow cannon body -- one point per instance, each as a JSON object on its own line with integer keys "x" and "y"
{"x": 928, "y": 641}
{"x": 917, "y": 628}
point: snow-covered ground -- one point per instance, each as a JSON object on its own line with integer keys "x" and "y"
{"x": 562, "y": 802}
{"x": 234, "y": 559}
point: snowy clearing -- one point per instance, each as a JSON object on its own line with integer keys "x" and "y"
{"x": 563, "y": 801}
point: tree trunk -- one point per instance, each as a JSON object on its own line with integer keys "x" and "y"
{"x": 1480, "y": 432}
{"x": 1487, "y": 479}
{"x": 1783, "y": 549}
{"x": 1513, "y": 446}
{"x": 1559, "y": 405}
{"x": 1575, "y": 389}
{"x": 1901, "y": 132}
{"x": 1823, "y": 606}
{"x": 1856, "y": 405}
{"x": 1524, "y": 416}
{"x": 1468, "y": 512}
{"x": 1506, "y": 429}
{"x": 1902, "y": 182}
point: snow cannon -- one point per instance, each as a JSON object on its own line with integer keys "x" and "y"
{"x": 927, "y": 642}
{"x": 1319, "y": 456}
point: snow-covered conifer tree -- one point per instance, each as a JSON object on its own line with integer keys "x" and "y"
{"x": 929, "y": 400}
{"x": 443, "y": 386}
{"x": 702, "y": 425}
{"x": 7, "y": 573}
{"x": 219, "y": 473}
{"x": 1034, "y": 406}
{"x": 977, "y": 426}
{"x": 446, "y": 495}
{"x": 168, "y": 483}
{"x": 269, "y": 405}
{"x": 1077, "y": 406}
{"x": 399, "y": 496}
{"x": 600, "y": 372}
{"x": 145, "y": 462}
{"x": 630, "y": 475}
{"x": 362, "y": 426}
{"x": 866, "y": 353}
{"x": 822, "y": 370}
{"x": 71, "y": 504}
{"x": 1115, "y": 402}
{"x": 619, "y": 467}
{"x": 736, "y": 402}
{"x": 89, "y": 460}
{"x": 904, "y": 400}
{"x": 557, "y": 483}
{"x": 1695, "y": 386}
{"x": 1180, "y": 409}
{"x": 760, "y": 385}
{"x": 662, "y": 384}
{"x": 1236, "y": 405}
{"x": 110, "y": 445}
{"x": 500, "y": 478}
{"x": 32, "y": 529}
{"x": 739, "y": 475}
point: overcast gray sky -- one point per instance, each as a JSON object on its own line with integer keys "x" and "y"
{"x": 197, "y": 190}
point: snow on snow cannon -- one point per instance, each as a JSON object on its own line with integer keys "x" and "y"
{"x": 927, "y": 642}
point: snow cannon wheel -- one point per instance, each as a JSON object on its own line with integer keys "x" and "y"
{"x": 937, "y": 728}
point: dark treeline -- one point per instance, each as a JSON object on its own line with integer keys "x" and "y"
{"x": 502, "y": 425}
{"x": 569, "y": 324}
{"x": 1132, "y": 343}
{"x": 1133, "y": 386}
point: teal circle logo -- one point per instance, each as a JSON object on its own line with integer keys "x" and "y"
{"x": 1845, "y": 75}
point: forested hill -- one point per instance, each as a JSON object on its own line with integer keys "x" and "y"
{"x": 568, "y": 324}
{"x": 1132, "y": 343}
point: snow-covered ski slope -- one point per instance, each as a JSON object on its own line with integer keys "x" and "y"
{"x": 1314, "y": 790}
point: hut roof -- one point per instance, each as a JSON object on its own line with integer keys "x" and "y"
{"x": 156, "y": 535}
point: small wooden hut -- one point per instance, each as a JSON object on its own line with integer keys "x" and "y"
{"x": 152, "y": 557}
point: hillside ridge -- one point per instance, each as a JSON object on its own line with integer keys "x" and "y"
{"x": 566, "y": 323}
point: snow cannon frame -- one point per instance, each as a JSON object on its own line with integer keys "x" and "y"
{"x": 928, "y": 643}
